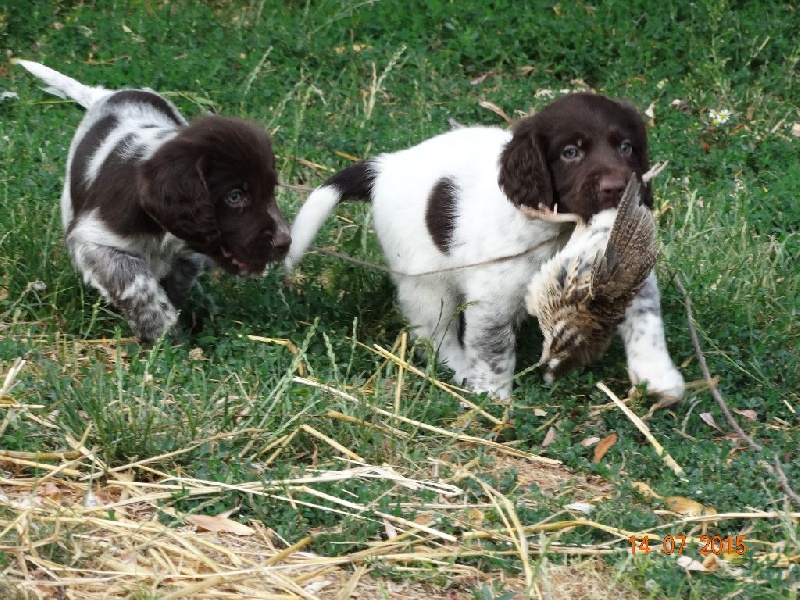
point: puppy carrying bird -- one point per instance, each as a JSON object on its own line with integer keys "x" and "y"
{"x": 581, "y": 294}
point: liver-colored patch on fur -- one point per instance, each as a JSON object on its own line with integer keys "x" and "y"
{"x": 440, "y": 216}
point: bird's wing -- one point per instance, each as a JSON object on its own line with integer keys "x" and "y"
{"x": 630, "y": 253}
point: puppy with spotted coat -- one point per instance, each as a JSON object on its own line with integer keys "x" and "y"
{"x": 449, "y": 214}
{"x": 149, "y": 199}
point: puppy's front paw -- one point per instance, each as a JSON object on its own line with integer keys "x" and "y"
{"x": 150, "y": 324}
{"x": 497, "y": 387}
{"x": 500, "y": 393}
{"x": 663, "y": 379}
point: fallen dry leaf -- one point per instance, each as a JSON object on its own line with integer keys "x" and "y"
{"x": 495, "y": 109}
{"x": 590, "y": 441}
{"x": 583, "y": 507}
{"x": 796, "y": 129}
{"x": 481, "y": 78}
{"x": 219, "y": 525}
{"x": 690, "y": 564}
{"x": 317, "y": 585}
{"x": 709, "y": 420}
{"x": 389, "y": 529}
{"x": 48, "y": 490}
{"x": 549, "y": 437}
{"x": 751, "y": 415}
{"x": 711, "y": 562}
{"x": 650, "y": 111}
{"x": 687, "y": 506}
{"x": 603, "y": 447}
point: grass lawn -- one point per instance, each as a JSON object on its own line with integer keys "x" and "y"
{"x": 295, "y": 444}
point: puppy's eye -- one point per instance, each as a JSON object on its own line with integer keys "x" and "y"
{"x": 625, "y": 148}
{"x": 571, "y": 153}
{"x": 236, "y": 198}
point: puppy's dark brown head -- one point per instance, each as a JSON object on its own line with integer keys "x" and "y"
{"x": 213, "y": 186}
{"x": 577, "y": 153}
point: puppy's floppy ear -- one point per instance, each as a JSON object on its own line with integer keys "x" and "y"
{"x": 173, "y": 191}
{"x": 639, "y": 129}
{"x": 524, "y": 176}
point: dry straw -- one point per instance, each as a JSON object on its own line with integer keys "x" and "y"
{"x": 65, "y": 533}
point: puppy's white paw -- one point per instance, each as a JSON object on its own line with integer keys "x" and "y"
{"x": 663, "y": 379}
{"x": 502, "y": 393}
{"x": 499, "y": 388}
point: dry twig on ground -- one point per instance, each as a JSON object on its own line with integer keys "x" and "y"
{"x": 776, "y": 468}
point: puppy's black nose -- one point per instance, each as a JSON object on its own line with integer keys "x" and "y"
{"x": 281, "y": 240}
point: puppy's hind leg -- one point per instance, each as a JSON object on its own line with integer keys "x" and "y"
{"x": 490, "y": 349}
{"x": 431, "y": 309}
{"x": 125, "y": 281}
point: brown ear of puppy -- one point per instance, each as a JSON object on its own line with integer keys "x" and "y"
{"x": 640, "y": 137}
{"x": 524, "y": 176}
{"x": 173, "y": 191}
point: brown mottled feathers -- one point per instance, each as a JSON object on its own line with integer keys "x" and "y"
{"x": 581, "y": 294}
{"x": 630, "y": 255}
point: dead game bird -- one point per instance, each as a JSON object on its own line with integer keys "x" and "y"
{"x": 580, "y": 295}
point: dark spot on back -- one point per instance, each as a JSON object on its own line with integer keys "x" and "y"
{"x": 355, "y": 182}
{"x": 83, "y": 154}
{"x": 145, "y": 97}
{"x": 115, "y": 192}
{"x": 440, "y": 216}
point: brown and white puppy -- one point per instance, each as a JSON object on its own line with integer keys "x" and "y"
{"x": 148, "y": 198}
{"x": 448, "y": 215}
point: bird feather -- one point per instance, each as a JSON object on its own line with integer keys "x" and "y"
{"x": 580, "y": 295}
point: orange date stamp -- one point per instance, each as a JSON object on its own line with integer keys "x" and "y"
{"x": 674, "y": 544}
